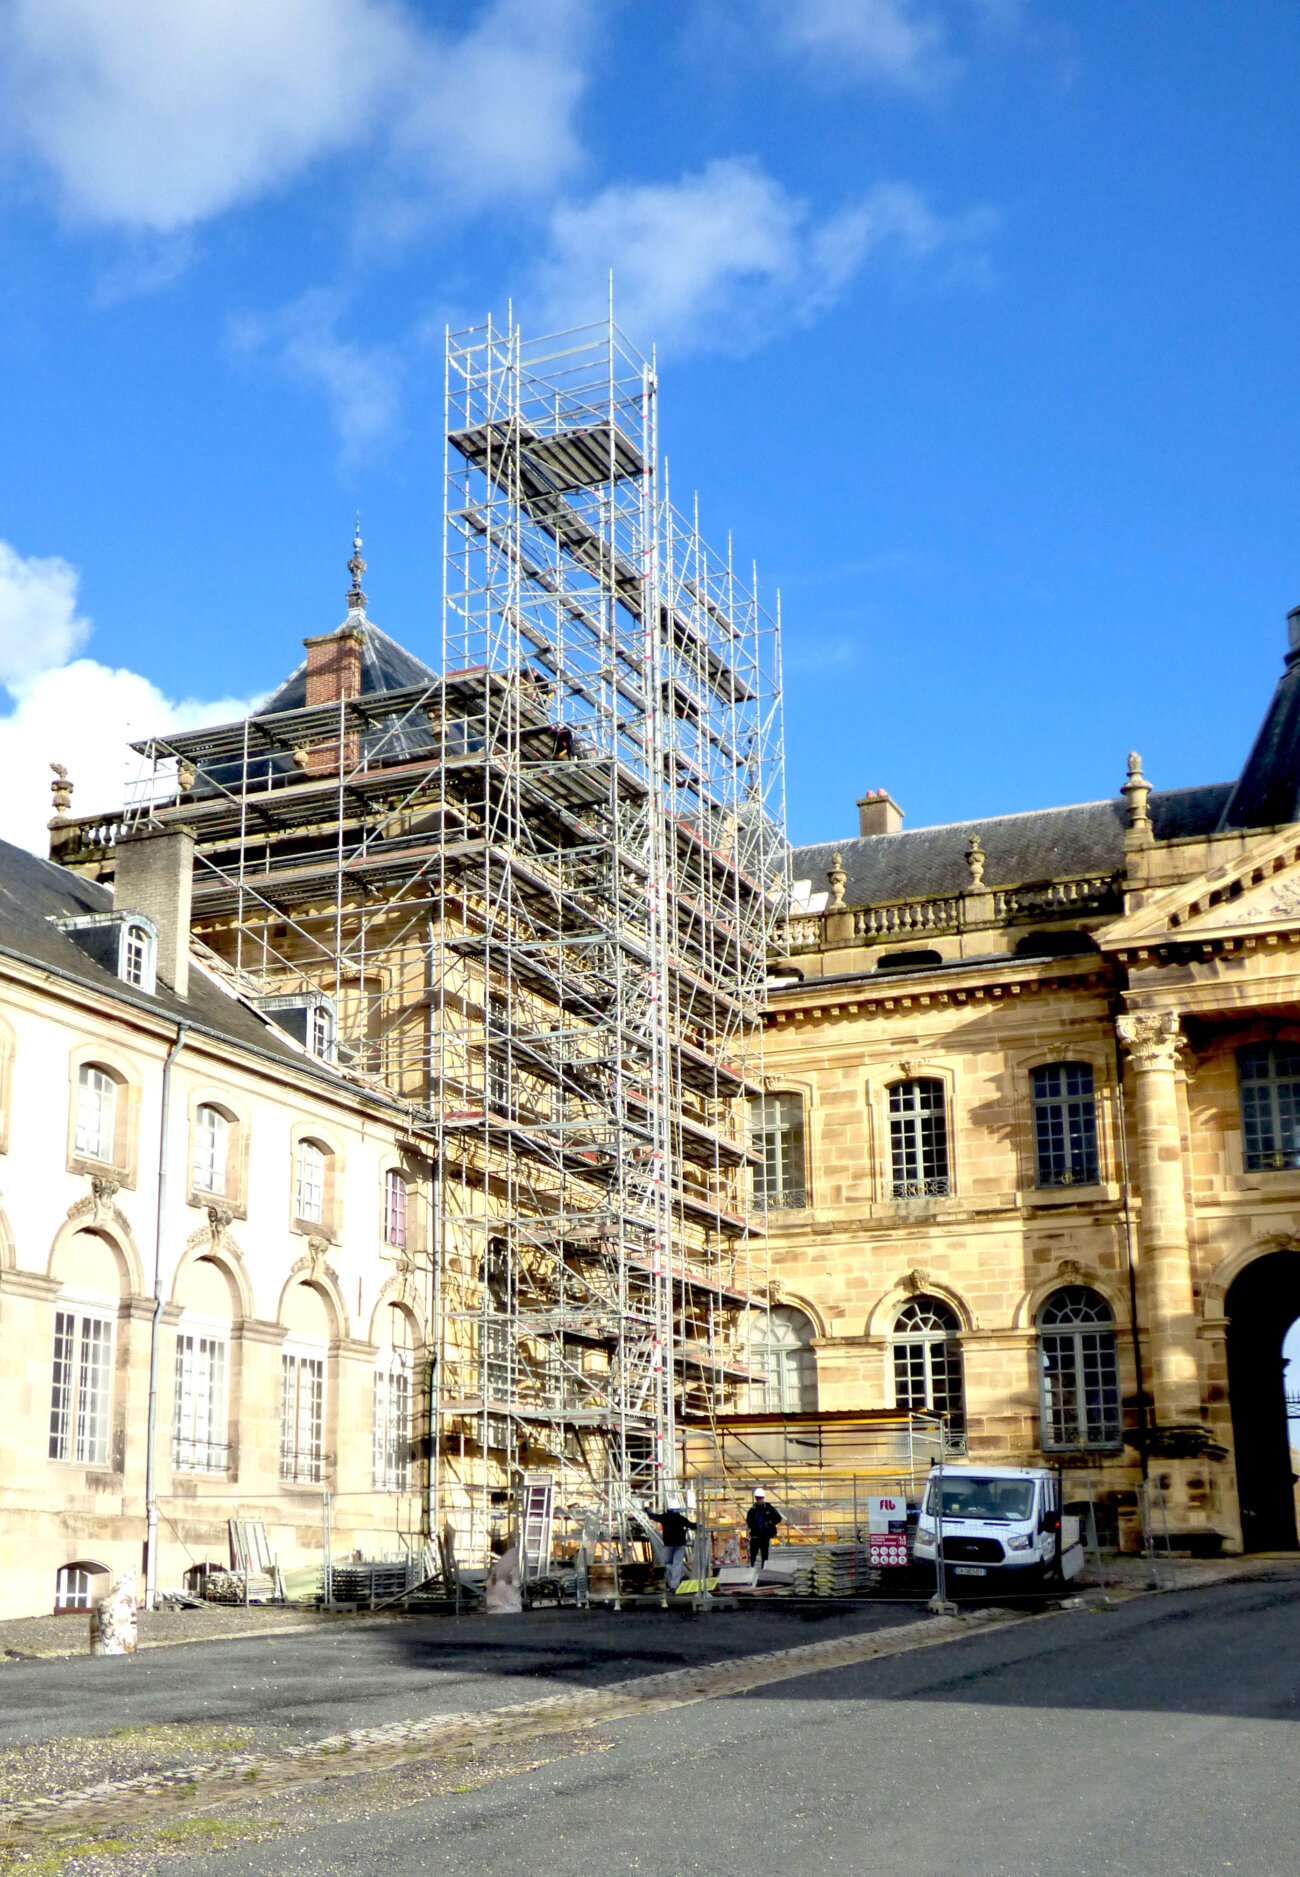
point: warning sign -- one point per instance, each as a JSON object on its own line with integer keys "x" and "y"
{"x": 886, "y": 1548}
{"x": 886, "y": 1532}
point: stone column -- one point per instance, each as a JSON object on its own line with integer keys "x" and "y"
{"x": 1153, "y": 1041}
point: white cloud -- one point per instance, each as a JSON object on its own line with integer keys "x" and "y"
{"x": 39, "y": 623}
{"x": 492, "y": 113}
{"x": 721, "y": 258}
{"x": 901, "y": 42}
{"x": 360, "y": 383}
{"x": 73, "y": 711}
{"x": 158, "y": 114}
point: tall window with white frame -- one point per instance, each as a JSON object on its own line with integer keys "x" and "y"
{"x": 309, "y": 1184}
{"x": 783, "y": 1361}
{"x": 777, "y": 1133}
{"x": 395, "y": 1198}
{"x": 95, "y": 1133}
{"x": 199, "y": 1417}
{"x": 82, "y": 1385}
{"x": 392, "y": 1451}
{"x": 137, "y": 957}
{"x": 1065, "y": 1124}
{"x": 211, "y": 1146}
{"x": 302, "y": 1416}
{"x": 320, "y": 1032}
{"x": 918, "y": 1139}
{"x": 1268, "y": 1076}
{"x": 928, "y": 1367}
{"x": 1080, "y": 1371}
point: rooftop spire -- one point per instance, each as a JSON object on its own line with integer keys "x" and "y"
{"x": 356, "y": 567}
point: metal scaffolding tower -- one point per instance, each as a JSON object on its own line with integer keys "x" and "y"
{"x": 611, "y": 869}
{"x": 530, "y": 892}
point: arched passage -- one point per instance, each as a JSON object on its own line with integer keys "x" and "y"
{"x": 1261, "y": 1306}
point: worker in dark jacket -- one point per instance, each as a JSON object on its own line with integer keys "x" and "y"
{"x": 674, "y": 1525}
{"x": 762, "y": 1520}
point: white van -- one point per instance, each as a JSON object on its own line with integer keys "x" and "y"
{"x": 1002, "y": 1525}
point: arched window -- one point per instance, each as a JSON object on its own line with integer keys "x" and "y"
{"x": 320, "y": 1033}
{"x": 393, "y": 1390}
{"x": 81, "y": 1371}
{"x": 302, "y": 1386}
{"x": 1065, "y": 1124}
{"x": 927, "y": 1362}
{"x": 211, "y": 1146}
{"x": 202, "y": 1362}
{"x": 776, "y": 1131}
{"x": 96, "y": 1131}
{"x": 1080, "y": 1370}
{"x": 1269, "y": 1078}
{"x": 395, "y": 1197}
{"x": 137, "y": 957}
{"x": 309, "y": 1184}
{"x": 75, "y": 1587}
{"x": 784, "y": 1362}
{"x": 918, "y": 1139}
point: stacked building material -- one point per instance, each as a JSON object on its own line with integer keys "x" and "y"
{"x": 834, "y": 1571}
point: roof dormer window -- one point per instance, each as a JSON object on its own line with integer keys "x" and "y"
{"x": 125, "y": 943}
{"x": 308, "y": 1017}
{"x": 137, "y": 956}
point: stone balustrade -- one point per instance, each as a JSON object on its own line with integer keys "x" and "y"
{"x": 84, "y": 837}
{"x": 807, "y": 932}
{"x": 1099, "y": 893}
{"x": 917, "y": 915}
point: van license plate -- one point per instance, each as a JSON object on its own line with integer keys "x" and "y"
{"x": 970, "y": 1570}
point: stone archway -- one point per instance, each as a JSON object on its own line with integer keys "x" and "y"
{"x": 1261, "y": 1305}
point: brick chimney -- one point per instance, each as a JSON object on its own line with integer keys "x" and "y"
{"x": 879, "y": 813}
{"x": 334, "y": 665}
{"x": 333, "y": 674}
{"x": 153, "y": 873}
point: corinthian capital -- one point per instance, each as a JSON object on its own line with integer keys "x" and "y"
{"x": 1151, "y": 1037}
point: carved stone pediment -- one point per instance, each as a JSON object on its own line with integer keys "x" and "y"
{"x": 1259, "y": 890}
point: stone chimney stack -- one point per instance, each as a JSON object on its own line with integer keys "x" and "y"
{"x": 879, "y": 813}
{"x": 153, "y": 873}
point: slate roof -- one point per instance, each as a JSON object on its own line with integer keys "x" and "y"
{"x": 385, "y": 666}
{"x": 1085, "y": 839}
{"x": 34, "y": 893}
{"x": 1268, "y": 792}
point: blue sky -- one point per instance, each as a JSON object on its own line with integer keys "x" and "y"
{"x": 976, "y": 321}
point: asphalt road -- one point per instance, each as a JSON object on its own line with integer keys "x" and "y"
{"x": 1153, "y": 1740}
{"x": 305, "y": 1686}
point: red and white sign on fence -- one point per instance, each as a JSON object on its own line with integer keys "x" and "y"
{"x": 886, "y": 1532}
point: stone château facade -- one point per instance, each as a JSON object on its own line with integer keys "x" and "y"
{"x": 1033, "y": 1133}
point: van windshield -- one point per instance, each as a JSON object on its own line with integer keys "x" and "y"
{"x": 1002, "y": 1500}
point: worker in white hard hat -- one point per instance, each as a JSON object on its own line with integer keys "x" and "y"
{"x": 762, "y": 1521}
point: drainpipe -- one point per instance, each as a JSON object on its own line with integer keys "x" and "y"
{"x": 151, "y": 1431}
{"x": 433, "y": 1476}
{"x": 1143, "y": 1426}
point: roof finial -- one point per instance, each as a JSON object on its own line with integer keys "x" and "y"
{"x": 975, "y": 861}
{"x": 356, "y": 567}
